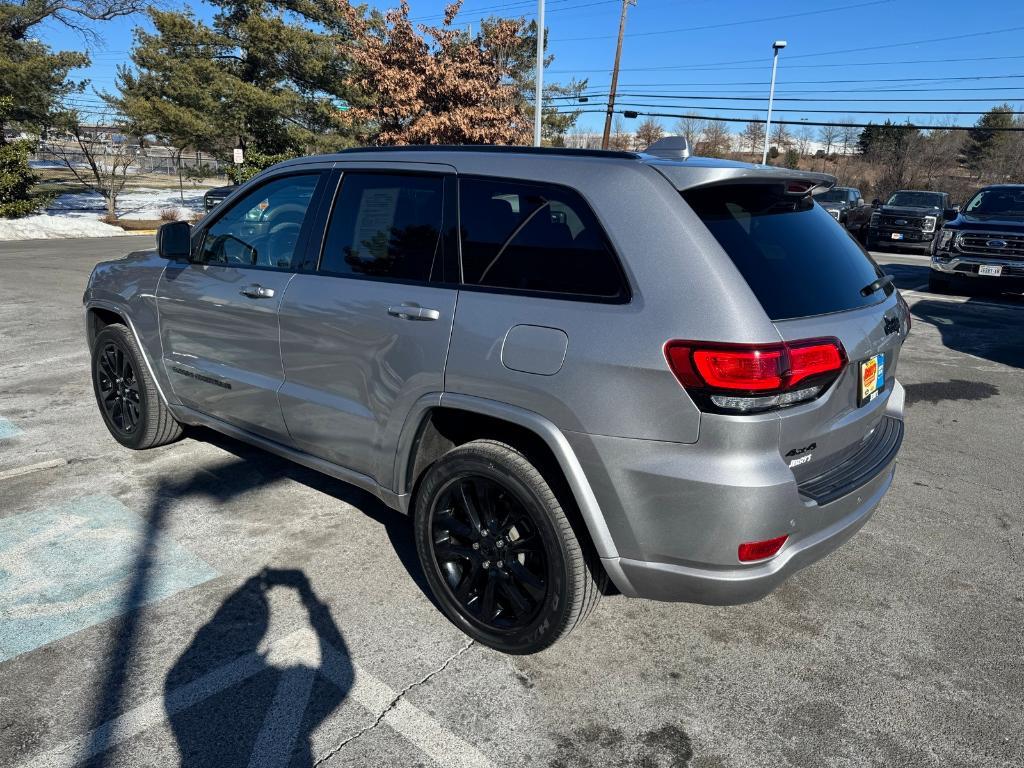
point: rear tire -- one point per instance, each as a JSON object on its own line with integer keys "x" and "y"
{"x": 499, "y": 552}
{"x": 126, "y": 393}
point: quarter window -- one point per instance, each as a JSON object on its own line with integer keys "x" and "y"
{"x": 386, "y": 225}
{"x": 262, "y": 229}
{"x": 534, "y": 238}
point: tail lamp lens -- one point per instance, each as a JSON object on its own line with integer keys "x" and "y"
{"x": 751, "y": 551}
{"x": 738, "y": 378}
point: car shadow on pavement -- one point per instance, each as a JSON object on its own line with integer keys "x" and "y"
{"x": 907, "y": 276}
{"x": 397, "y": 527}
{"x": 989, "y": 331}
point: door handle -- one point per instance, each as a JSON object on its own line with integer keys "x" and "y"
{"x": 255, "y": 291}
{"x": 407, "y": 312}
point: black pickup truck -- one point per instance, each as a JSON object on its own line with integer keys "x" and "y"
{"x": 983, "y": 244}
{"x": 910, "y": 219}
{"x": 847, "y": 206}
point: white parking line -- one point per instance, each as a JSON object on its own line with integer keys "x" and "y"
{"x": 29, "y": 468}
{"x": 273, "y": 745}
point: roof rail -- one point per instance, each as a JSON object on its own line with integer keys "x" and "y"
{"x": 510, "y": 150}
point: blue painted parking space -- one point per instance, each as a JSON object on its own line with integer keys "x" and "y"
{"x": 8, "y": 429}
{"x": 66, "y": 568}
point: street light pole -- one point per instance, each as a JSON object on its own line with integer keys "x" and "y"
{"x": 538, "y": 102}
{"x": 777, "y": 46}
{"x": 615, "y": 76}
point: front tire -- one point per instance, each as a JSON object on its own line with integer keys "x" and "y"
{"x": 126, "y": 393}
{"x": 499, "y": 552}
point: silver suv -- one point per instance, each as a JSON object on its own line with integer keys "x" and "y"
{"x": 568, "y": 367}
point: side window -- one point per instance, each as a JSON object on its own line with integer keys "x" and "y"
{"x": 534, "y": 238}
{"x": 262, "y": 228}
{"x": 386, "y": 225}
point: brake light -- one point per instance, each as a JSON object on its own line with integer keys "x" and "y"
{"x": 745, "y": 378}
{"x": 750, "y": 551}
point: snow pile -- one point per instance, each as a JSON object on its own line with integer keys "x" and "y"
{"x": 45, "y": 226}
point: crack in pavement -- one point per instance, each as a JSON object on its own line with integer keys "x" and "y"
{"x": 394, "y": 703}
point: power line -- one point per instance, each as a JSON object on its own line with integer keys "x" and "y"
{"x": 819, "y": 111}
{"x": 720, "y": 119}
{"x": 827, "y": 53}
{"x": 731, "y": 23}
{"x": 711, "y": 97}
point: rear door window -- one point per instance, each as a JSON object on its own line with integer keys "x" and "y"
{"x": 536, "y": 238}
{"x": 790, "y": 251}
{"x": 386, "y": 225}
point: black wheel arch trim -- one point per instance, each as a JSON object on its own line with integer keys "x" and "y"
{"x": 539, "y": 426}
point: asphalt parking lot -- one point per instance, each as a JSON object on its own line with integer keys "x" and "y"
{"x": 205, "y": 604}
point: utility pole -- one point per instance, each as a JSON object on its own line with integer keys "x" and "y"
{"x": 615, "y": 75}
{"x": 538, "y": 102}
{"x": 777, "y": 46}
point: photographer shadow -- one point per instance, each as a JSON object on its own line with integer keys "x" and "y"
{"x": 280, "y": 691}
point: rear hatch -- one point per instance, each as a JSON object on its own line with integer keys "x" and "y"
{"x": 815, "y": 282}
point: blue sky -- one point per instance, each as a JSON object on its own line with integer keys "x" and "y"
{"x": 844, "y": 56}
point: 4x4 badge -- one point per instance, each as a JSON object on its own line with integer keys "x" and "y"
{"x": 798, "y": 451}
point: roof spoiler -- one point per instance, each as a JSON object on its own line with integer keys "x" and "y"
{"x": 684, "y": 176}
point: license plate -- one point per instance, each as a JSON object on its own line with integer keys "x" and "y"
{"x": 896, "y": 235}
{"x": 872, "y": 378}
{"x": 995, "y": 270}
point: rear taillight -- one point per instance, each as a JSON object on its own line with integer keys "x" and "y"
{"x": 750, "y": 378}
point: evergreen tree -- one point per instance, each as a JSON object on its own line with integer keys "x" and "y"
{"x": 267, "y": 75}
{"x": 986, "y": 141}
{"x": 16, "y": 178}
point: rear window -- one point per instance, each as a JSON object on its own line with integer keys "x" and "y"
{"x": 537, "y": 238}
{"x": 797, "y": 260}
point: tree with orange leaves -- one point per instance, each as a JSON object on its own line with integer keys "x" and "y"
{"x": 433, "y": 84}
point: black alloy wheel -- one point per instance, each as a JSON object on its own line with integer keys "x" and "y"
{"x": 499, "y": 551}
{"x": 490, "y": 553}
{"x": 118, "y": 386}
{"x": 126, "y": 394}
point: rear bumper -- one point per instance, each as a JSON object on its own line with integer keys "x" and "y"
{"x": 677, "y": 513}
{"x": 665, "y": 581}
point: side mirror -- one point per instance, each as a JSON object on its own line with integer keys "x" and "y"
{"x": 950, "y": 213}
{"x": 174, "y": 240}
{"x": 876, "y": 203}
{"x": 858, "y": 202}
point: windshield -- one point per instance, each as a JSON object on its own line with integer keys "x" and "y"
{"x": 917, "y": 199}
{"x": 793, "y": 256}
{"x": 832, "y": 196}
{"x": 998, "y": 201}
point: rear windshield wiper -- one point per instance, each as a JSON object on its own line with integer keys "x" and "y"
{"x": 876, "y": 285}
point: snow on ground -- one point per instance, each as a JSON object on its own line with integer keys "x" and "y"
{"x": 139, "y": 203}
{"x": 45, "y": 226}
{"x": 77, "y": 214}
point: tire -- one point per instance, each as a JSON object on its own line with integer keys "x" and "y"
{"x": 126, "y": 393}
{"x": 556, "y": 581}
{"x": 938, "y": 284}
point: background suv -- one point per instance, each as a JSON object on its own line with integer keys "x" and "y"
{"x": 567, "y": 366}
{"x": 910, "y": 219}
{"x": 982, "y": 245}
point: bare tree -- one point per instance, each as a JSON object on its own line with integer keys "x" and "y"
{"x": 19, "y": 17}
{"x": 99, "y": 162}
{"x": 691, "y": 128}
{"x": 619, "y": 138}
{"x": 804, "y": 137}
{"x": 716, "y": 140}
{"x": 752, "y": 136}
{"x": 828, "y": 135}
{"x": 781, "y": 138}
